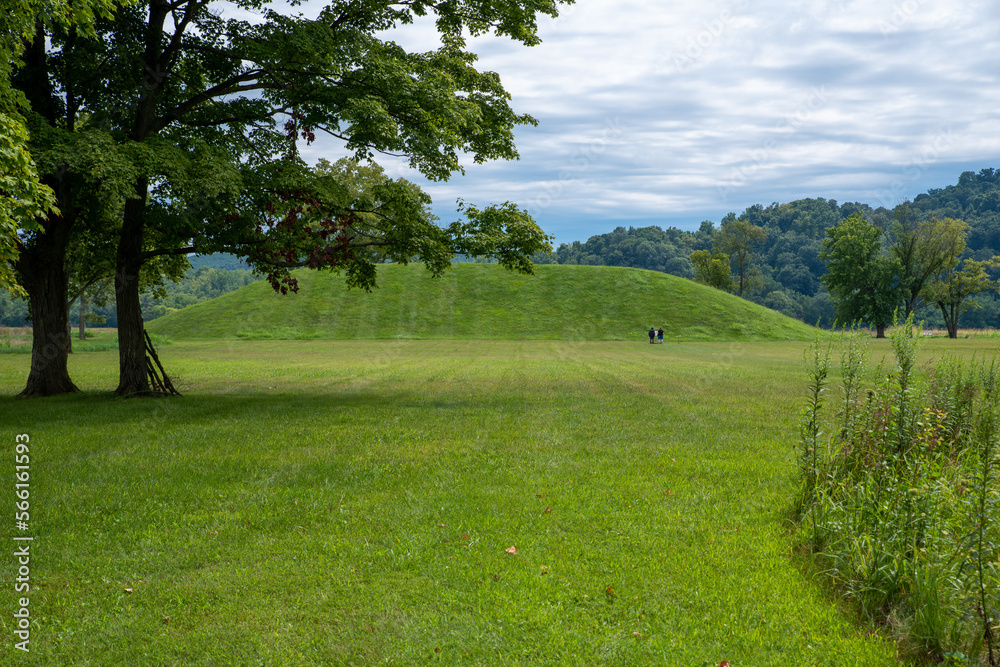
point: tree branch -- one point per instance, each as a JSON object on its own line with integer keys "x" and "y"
{"x": 150, "y": 254}
{"x": 226, "y": 88}
{"x": 193, "y": 7}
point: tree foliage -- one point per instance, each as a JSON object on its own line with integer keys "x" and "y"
{"x": 953, "y": 289}
{"x": 23, "y": 198}
{"x": 738, "y": 238}
{"x": 199, "y": 113}
{"x": 862, "y": 278}
{"x": 712, "y": 269}
{"x": 924, "y": 249}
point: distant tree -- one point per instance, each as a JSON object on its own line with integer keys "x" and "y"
{"x": 924, "y": 249}
{"x": 784, "y": 303}
{"x": 818, "y": 309}
{"x": 99, "y": 294}
{"x": 712, "y": 270}
{"x": 680, "y": 266}
{"x": 738, "y": 238}
{"x": 197, "y": 285}
{"x": 794, "y": 276}
{"x": 862, "y": 279}
{"x": 642, "y": 248}
{"x": 952, "y": 290}
{"x": 810, "y": 217}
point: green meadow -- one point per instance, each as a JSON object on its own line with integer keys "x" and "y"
{"x": 350, "y": 502}
{"x": 484, "y": 475}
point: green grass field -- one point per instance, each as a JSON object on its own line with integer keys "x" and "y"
{"x": 346, "y": 502}
{"x": 484, "y": 301}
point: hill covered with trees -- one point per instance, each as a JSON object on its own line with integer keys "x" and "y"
{"x": 785, "y": 269}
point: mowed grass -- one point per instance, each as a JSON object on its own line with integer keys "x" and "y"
{"x": 484, "y": 301}
{"x": 330, "y": 502}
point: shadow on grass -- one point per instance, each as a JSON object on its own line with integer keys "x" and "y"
{"x": 85, "y": 408}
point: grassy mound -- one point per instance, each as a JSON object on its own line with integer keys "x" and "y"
{"x": 487, "y": 302}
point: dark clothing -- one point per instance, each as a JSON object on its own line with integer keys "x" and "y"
{"x": 652, "y": 334}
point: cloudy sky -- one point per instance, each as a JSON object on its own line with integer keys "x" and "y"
{"x": 670, "y": 112}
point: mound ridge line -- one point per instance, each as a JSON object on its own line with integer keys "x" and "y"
{"x": 484, "y": 301}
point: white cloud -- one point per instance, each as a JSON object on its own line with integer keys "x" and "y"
{"x": 676, "y": 112}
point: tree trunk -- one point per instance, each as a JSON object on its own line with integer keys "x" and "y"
{"x": 132, "y": 378}
{"x": 952, "y": 328}
{"x": 950, "y": 315}
{"x": 880, "y": 330}
{"x": 41, "y": 264}
{"x": 83, "y": 313}
{"x": 42, "y": 269}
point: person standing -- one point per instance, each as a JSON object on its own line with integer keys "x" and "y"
{"x": 652, "y": 335}
{"x": 659, "y": 334}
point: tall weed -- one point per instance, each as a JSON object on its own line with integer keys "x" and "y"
{"x": 900, "y": 499}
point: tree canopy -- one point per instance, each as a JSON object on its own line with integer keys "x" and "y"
{"x": 196, "y": 115}
{"x": 952, "y": 290}
{"x": 924, "y": 249}
{"x": 712, "y": 269}
{"x": 738, "y": 238}
{"x": 23, "y": 198}
{"x": 863, "y": 280}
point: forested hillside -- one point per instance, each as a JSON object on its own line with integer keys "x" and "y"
{"x": 786, "y": 268}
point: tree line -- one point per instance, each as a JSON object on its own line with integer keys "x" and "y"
{"x": 781, "y": 255}
{"x": 97, "y": 307}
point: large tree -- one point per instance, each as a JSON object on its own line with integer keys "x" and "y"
{"x": 738, "y": 238}
{"x": 951, "y": 290}
{"x": 200, "y": 113}
{"x": 28, "y": 201}
{"x": 862, "y": 277}
{"x": 924, "y": 248}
